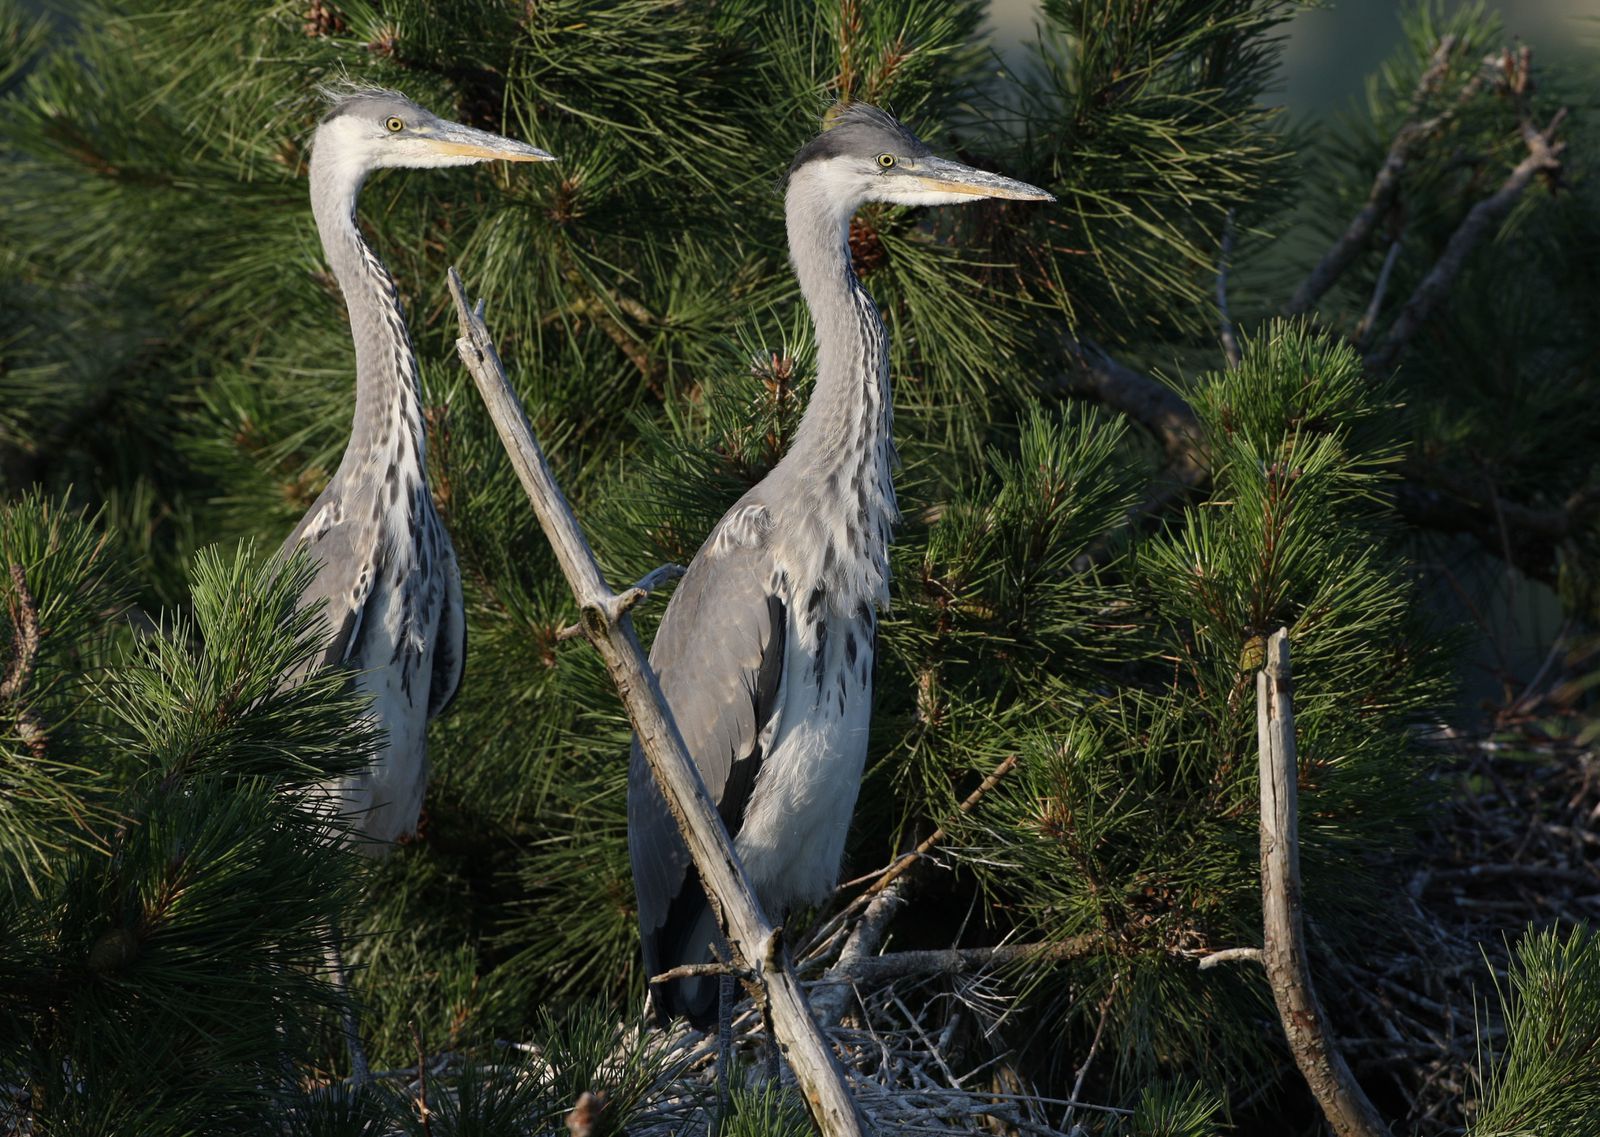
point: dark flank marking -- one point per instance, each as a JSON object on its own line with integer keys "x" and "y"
{"x": 828, "y": 557}
{"x": 819, "y": 661}
{"x": 850, "y": 647}
{"x": 814, "y": 603}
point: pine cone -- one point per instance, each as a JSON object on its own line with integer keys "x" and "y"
{"x": 867, "y": 253}
{"x": 323, "y": 21}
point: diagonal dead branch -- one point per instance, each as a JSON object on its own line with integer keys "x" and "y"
{"x": 1349, "y": 1111}
{"x": 1544, "y": 157}
{"x": 610, "y": 629}
{"x": 1387, "y": 182}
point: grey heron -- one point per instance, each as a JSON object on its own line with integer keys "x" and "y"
{"x": 386, "y": 569}
{"x": 765, "y": 652}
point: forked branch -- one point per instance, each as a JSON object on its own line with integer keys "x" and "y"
{"x": 609, "y": 627}
{"x": 1386, "y": 185}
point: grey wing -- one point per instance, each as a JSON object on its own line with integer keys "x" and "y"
{"x": 347, "y": 562}
{"x": 450, "y": 644}
{"x": 719, "y": 654}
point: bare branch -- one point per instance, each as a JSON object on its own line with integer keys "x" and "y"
{"x": 1094, "y": 1048}
{"x": 1544, "y": 157}
{"x": 609, "y": 628}
{"x": 1369, "y": 318}
{"x": 424, "y": 1113}
{"x": 1230, "y": 955}
{"x": 1348, "y": 1110}
{"x": 629, "y": 597}
{"x": 701, "y": 970}
{"x": 1386, "y": 184}
{"x": 1225, "y": 332}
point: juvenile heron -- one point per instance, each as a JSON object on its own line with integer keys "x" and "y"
{"x": 765, "y": 652}
{"x": 386, "y": 568}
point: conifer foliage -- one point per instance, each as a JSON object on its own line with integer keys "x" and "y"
{"x": 1139, "y": 431}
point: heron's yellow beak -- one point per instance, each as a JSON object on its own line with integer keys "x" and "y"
{"x": 940, "y": 175}
{"x": 456, "y": 141}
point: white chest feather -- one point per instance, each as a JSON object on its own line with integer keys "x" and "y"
{"x": 793, "y": 835}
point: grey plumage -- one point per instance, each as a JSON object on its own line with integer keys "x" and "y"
{"x": 386, "y": 570}
{"x": 765, "y": 653}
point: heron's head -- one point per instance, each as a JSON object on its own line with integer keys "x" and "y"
{"x": 368, "y": 130}
{"x": 864, "y": 154}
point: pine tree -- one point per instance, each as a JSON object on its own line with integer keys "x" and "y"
{"x": 1106, "y": 511}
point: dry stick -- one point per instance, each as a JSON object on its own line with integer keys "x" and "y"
{"x": 1384, "y": 186}
{"x": 609, "y": 627}
{"x": 1225, "y": 331}
{"x": 1544, "y": 156}
{"x": 1347, "y": 1108}
{"x": 1229, "y": 955}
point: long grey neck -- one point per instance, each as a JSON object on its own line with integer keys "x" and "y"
{"x": 846, "y": 433}
{"x": 387, "y": 432}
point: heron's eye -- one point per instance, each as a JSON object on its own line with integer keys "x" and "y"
{"x": 395, "y": 124}
{"x": 886, "y": 160}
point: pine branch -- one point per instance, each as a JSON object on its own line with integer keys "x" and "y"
{"x": 610, "y": 629}
{"x": 24, "y": 653}
{"x": 878, "y": 969}
{"x": 1154, "y": 406}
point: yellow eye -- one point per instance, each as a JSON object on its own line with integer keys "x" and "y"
{"x": 395, "y": 124}
{"x": 886, "y": 160}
